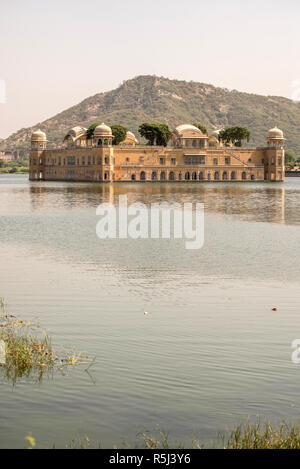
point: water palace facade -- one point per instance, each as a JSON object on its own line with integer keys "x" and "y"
{"x": 189, "y": 156}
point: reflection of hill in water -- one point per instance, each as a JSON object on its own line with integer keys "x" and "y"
{"x": 250, "y": 202}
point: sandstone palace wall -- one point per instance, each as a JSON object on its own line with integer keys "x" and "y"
{"x": 190, "y": 157}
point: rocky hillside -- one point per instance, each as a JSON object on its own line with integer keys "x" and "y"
{"x": 154, "y": 99}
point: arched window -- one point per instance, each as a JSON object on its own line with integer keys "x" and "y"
{"x": 194, "y": 176}
{"x": 244, "y": 176}
{"x": 133, "y": 177}
{"x": 162, "y": 176}
{"x": 217, "y": 176}
{"x": 172, "y": 176}
{"x": 154, "y": 176}
{"x": 233, "y": 175}
{"x": 187, "y": 176}
{"x": 201, "y": 176}
{"x": 225, "y": 176}
{"x": 143, "y": 176}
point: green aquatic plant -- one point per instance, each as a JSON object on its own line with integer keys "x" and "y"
{"x": 28, "y": 350}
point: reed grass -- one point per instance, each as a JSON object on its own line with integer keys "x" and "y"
{"x": 263, "y": 436}
{"x": 29, "y": 351}
{"x": 244, "y": 436}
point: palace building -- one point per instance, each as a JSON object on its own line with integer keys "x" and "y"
{"x": 189, "y": 156}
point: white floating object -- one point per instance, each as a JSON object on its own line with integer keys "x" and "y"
{"x": 146, "y": 313}
{"x": 2, "y": 352}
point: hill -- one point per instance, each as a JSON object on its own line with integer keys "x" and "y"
{"x": 157, "y": 99}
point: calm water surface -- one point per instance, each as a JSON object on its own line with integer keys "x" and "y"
{"x": 211, "y": 353}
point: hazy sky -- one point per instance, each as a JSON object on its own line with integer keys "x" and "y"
{"x": 55, "y": 53}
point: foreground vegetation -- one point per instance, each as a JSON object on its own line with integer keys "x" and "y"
{"x": 244, "y": 436}
{"x": 28, "y": 350}
{"x": 263, "y": 436}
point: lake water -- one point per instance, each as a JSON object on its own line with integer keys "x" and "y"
{"x": 212, "y": 353}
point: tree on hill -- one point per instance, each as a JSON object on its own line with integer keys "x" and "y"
{"x": 155, "y": 133}
{"x": 119, "y": 133}
{"x": 235, "y": 135}
{"x": 201, "y": 127}
{"x": 91, "y": 129}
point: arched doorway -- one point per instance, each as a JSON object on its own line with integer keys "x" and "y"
{"x": 208, "y": 176}
{"x": 187, "y": 176}
{"x": 162, "y": 176}
{"x": 252, "y": 177}
{"x": 179, "y": 177}
{"x": 194, "y": 176}
{"x": 133, "y": 177}
{"x": 172, "y": 176}
{"x": 143, "y": 176}
{"x": 233, "y": 175}
{"x": 225, "y": 176}
{"x": 217, "y": 176}
{"x": 244, "y": 176}
{"x": 201, "y": 176}
{"x": 154, "y": 176}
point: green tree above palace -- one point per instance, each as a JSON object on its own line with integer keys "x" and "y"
{"x": 236, "y": 135}
{"x": 155, "y": 133}
{"x": 119, "y": 133}
{"x": 163, "y": 135}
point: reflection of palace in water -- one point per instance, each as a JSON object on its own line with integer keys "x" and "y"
{"x": 257, "y": 202}
{"x": 189, "y": 156}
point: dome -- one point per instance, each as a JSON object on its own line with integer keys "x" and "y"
{"x": 188, "y": 128}
{"x": 130, "y": 137}
{"x": 38, "y": 135}
{"x": 275, "y": 133}
{"x": 130, "y": 134}
{"x": 75, "y": 133}
{"x": 102, "y": 131}
{"x": 215, "y": 133}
